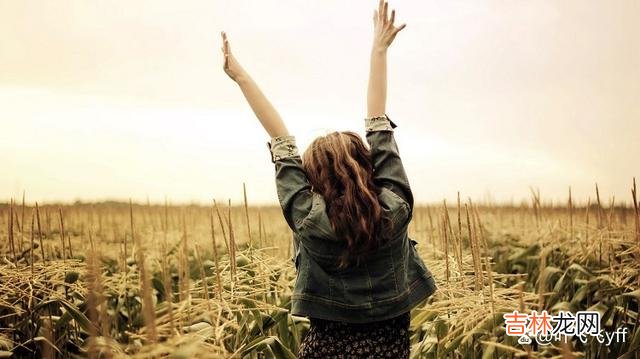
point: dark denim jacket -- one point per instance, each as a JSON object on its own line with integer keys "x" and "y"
{"x": 392, "y": 281}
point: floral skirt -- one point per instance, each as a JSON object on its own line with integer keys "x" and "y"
{"x": 383, "y": 339}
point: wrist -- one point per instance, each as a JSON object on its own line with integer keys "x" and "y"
{"x": 378, "y": 49}
{"x": 242, "y": 79}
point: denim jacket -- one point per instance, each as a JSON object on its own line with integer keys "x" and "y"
{"x": 391, "y": 281}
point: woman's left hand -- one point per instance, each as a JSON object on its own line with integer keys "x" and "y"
{"x": 231, "y": 66}
{"x": 383, "y": 24}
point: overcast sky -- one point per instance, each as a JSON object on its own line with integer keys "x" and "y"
{"x": 103, "y": 99}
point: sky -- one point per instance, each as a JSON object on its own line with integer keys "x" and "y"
{"x": 116, "y": 100}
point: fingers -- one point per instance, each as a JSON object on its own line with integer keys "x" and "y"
{"x": 225, "y": 50}
{"x": 385, "y": 21}
{"x": 225, "y": 62}
{"x": 385, "y": 12}
{"x": 395, "y": 32}
{"x": 225, "y": 44}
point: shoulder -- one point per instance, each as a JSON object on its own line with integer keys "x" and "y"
{"x": 317, "y": 220}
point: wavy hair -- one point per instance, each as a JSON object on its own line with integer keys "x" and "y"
{"x": 339, "y": 168}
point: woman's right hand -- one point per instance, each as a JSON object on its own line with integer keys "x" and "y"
{"x": 231, "y": 66}
{"x": 383, "y": 25}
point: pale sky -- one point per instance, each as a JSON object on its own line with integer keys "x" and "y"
{"x": 111, "y": 100}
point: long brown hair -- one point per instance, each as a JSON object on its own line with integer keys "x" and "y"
{"x": 339, "y": 168}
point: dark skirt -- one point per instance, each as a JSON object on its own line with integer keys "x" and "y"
{"x": 383, "y": 339}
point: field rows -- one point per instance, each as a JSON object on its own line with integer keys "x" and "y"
{"x": 121, "y": 280}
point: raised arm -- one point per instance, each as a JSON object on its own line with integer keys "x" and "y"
{"x": 265, "y": 112}
{"x": 294, "y": 190}
{"x": 388, "y": 168}
{"x": 384, "y": 33}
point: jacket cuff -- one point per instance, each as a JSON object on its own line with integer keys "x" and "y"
{"x": 282, "y": 147}
{"x": 379, "y": 123}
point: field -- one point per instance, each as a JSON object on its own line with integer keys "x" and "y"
{"x": 140, "y": 280}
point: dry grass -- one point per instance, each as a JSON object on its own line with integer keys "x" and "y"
{"x": 131, "y": 280}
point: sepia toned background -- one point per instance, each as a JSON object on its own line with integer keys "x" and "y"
{"x": 103, "y": 100}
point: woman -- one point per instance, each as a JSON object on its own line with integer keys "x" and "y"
{"x": 349, "y": 206}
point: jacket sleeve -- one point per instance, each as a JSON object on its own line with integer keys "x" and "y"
{"x": 293, "y": 187}
{"x": 387, "y": 165}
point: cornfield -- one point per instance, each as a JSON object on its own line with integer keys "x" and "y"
{"x": 110, "y": 280}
